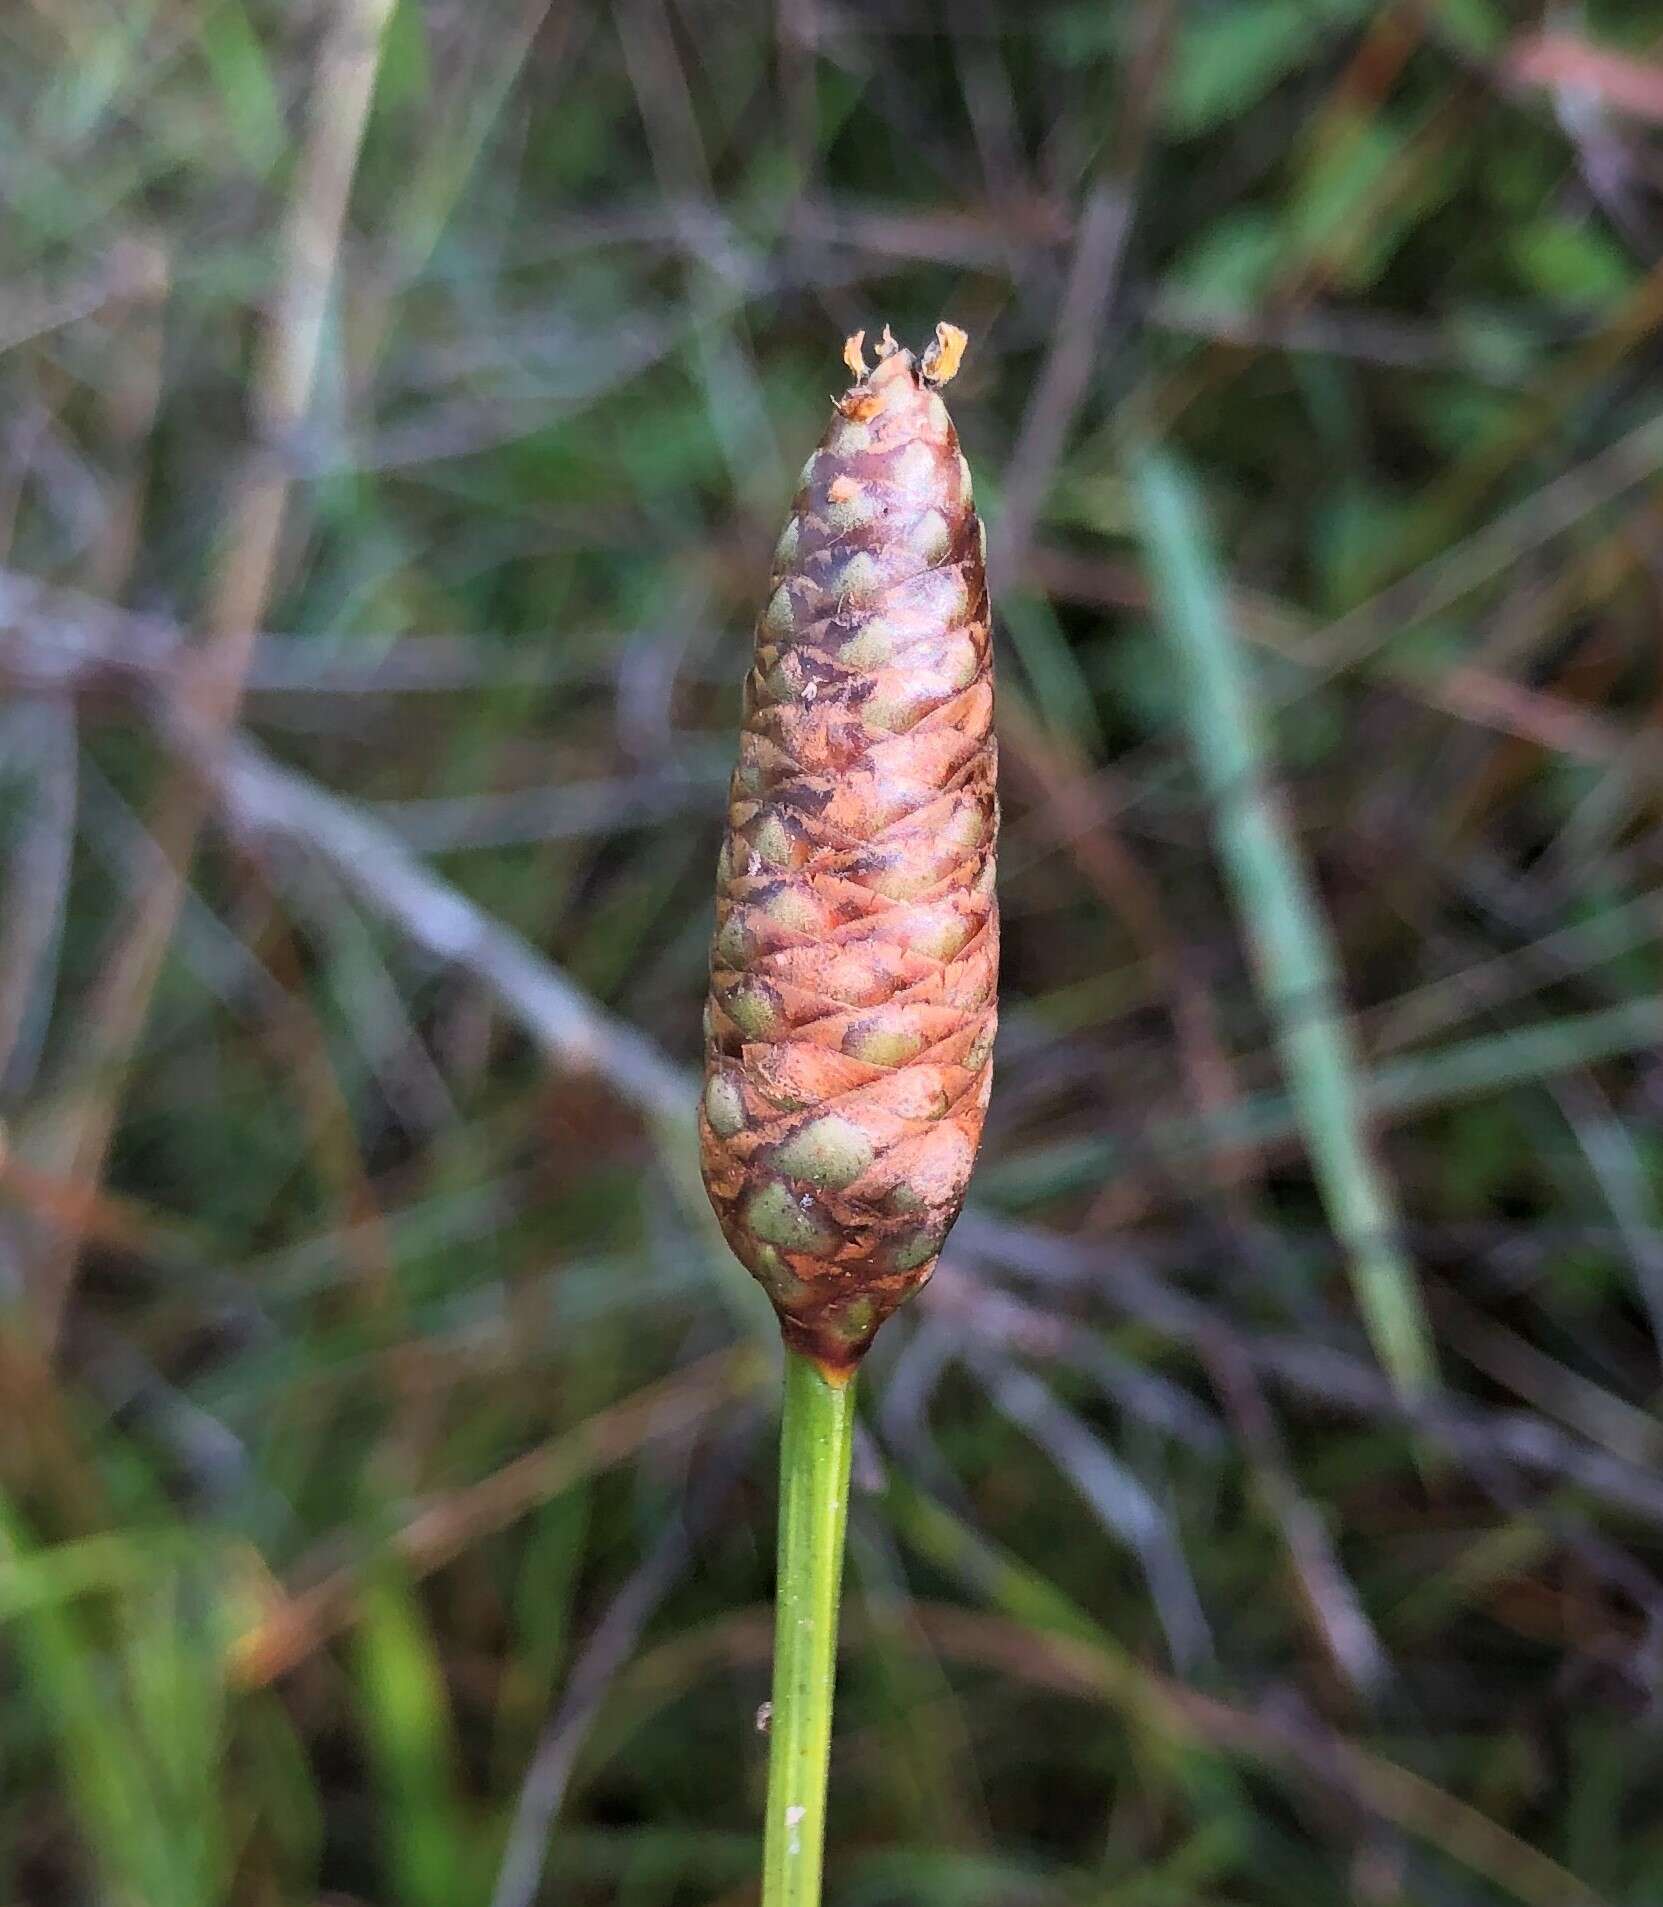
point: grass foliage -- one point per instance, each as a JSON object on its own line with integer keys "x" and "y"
{"x": 397, "y": 408}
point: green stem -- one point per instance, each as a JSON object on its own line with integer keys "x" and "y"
{"x": 816, "y": 1436}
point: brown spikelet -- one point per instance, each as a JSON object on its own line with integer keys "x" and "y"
{"x": 853, "y": 972}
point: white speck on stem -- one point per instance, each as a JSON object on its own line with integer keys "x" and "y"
{"x": 794, "y": 1820}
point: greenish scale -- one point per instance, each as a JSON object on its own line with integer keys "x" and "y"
{"x": 940, "y": 935}
{"x": 914, "y": 469}
{"x": 753, "y": 1010}
{"x": 779, "y": 617}
{"x": 790, "y": 906}
{"x": 855, "y": 1321}
{"x": 904, "y": 882}
{"x": 733, "y": 944}
{"x": 962, "y": 662}
{"x": 883, "y": 1046}
{"x": 852, "y": 512}
{"x": 772, "y": 839}
{"x": 931, "y": 537}
{"x": 888, "y": 714}
{"x": 912, "y": 1252}
{"x": 863, "y": 579}
{"x": 724, "y": 1106}
{"x": 966, "y": 827}
{"x": 778, "y": 1218}
{"x": 872, "y": 645}
{"x": 830, "y": 1151}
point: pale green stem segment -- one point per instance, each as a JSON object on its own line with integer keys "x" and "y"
{"x": 816, "y": 1437}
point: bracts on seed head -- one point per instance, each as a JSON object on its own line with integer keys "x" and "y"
{"x": 853, "y": 971}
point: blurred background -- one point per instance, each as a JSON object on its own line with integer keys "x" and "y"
{"x": 399, "y": 400}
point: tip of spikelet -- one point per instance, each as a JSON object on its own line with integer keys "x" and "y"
{"x": 938, "y": 364}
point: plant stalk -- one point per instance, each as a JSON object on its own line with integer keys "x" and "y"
{"x": 816, "y": 1437}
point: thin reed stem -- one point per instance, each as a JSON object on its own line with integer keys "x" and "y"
{"x": 816, "y": 1436}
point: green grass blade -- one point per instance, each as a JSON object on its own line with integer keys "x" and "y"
{"x": 1293, "y": 953}
{"x": 411, "y": 1742}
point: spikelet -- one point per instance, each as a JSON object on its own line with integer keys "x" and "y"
{"x": 853, "y": 973}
